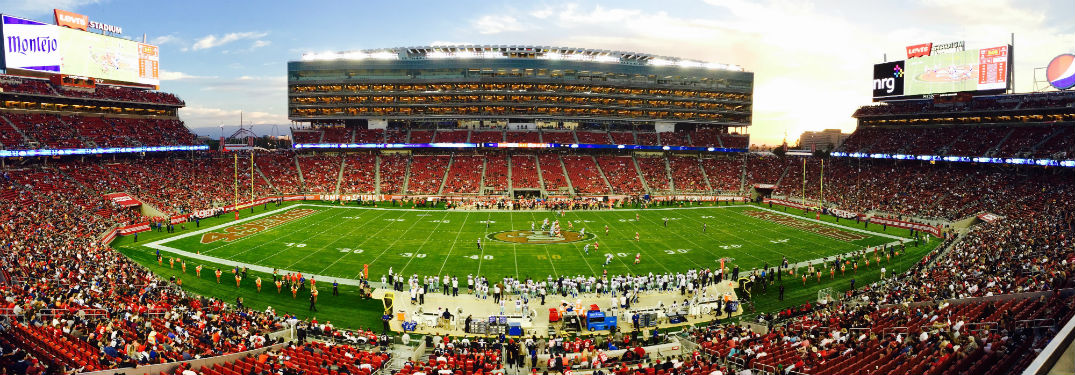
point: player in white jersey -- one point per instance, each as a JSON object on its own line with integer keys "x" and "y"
{"x": 608, "y": 259}
{"x": 586, "y": 248}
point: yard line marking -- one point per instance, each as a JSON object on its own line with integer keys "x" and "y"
{"x": 348, "y": 235}
{"x": 450, "y": 248}
{"x": 548, "y": 255}
{"x": 481, "y": 257}
{"x": 514, "y": 246}
{"x": 285, "y": 249}
{"x": 639, "y": 250}
{"x": 402, "y": 236}
{"x": 416, "y": 252}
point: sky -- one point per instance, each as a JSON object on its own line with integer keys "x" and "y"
{"x": 812, "y": 60}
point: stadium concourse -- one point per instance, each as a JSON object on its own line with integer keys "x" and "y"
{"x": 987, "y": 302}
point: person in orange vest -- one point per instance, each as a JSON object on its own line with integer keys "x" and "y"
{"x": 160, "y": 260}
{"x": 171, "y": 263}
{"x": 179, "y": 282}
{"x": 855, "y": 267}
{"x": 804, "y": 278}
{"x": 279, "y": 285}
{"x": 819, "y": 275}
{"x": 843, "y": 268}
{"x": 313, "y": 283}
{"x": 294, "y": 291}
{"x": 257, "y": 282}
{"x": 237, "y": 280}
{"x": 183, "y": 264}
{"x": 198, "y": 271}
{"x": 832, "y": 273}
{"x": 218, "y": 273}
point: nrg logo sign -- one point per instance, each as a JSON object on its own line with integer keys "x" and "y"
{"x": 888, "y": 84}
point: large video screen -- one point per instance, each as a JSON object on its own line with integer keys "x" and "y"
{"x": 37, "y": 46}
{"x": 973, "y": 70}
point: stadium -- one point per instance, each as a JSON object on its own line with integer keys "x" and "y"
{"x": 493, "y": 209}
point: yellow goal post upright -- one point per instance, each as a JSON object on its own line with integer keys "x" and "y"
{"x": 821, "y": 199}
{"x": 235, "y": 180}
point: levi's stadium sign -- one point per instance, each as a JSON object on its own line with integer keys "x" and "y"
{"x": 928, "y": 49}
{"x": 919, "y": 50}
{"x": 82, "y": 22}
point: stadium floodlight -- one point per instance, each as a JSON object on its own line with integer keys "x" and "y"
{"x": 554, "y": 56}
{"x": 384, "y": 55}
{"x": 438, "y": 55}
{"x": 578, "y": 57}
{"x": 688, "y": 64}
{"x": 355, "y": 55}
{"x": 660, "y": 62}
{"x": 466, "y": 55}
{"x": 607, "y": 59}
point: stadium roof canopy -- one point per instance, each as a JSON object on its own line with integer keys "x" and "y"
{"x": 516, "y": 52}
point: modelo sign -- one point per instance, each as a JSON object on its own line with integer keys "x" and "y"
{"x": 81, "y": 22}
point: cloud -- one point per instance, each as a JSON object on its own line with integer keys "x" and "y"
{"x": 211, "y": 41}
{"x": 260, "y": 43}
{"x": 494, "y": 24}
{"x": 165, "y": 39}
{"x": 166, "y": 75}
{"x": 203, "y": 117}
{"x": 812, "y": 65}
{"x": 251, "y": 86}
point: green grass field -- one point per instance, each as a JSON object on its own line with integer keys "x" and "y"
{"x": 335, "y": 242}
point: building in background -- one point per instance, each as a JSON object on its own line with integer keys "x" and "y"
{"x": 827, "y": 139}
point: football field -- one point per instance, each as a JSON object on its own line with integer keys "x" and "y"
{"x": 336, "y": 242}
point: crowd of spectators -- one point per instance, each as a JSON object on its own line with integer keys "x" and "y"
{"x": 427, "y": 173}
{"x": 359, "y": 173}
{"x": 496, "y": 172}
{"x": 584, "y": 174}
{"x": 524, "y": 173}
{"x": 621, "y": 174}
{"x": 465, "y": 175}
{"x": 655, "y": 171}
{"x": 105, "y": 92}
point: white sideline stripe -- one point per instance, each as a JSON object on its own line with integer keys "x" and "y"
{"x": 159, "y": 244}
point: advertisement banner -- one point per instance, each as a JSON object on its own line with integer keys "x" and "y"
{"x": 37, "y": 46}
{"x": 888, "y": 79}
{"x": 71, "y": 19}
{"x": 843, "y": 213}
{"x": 919, "y": 50}
{"x": 989, "y": 217}
{"x": 123, "y": 200}
{"x": 31, "y": 45}
{"x": 108, "y": 237}
{"x": 134, "y": 228}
